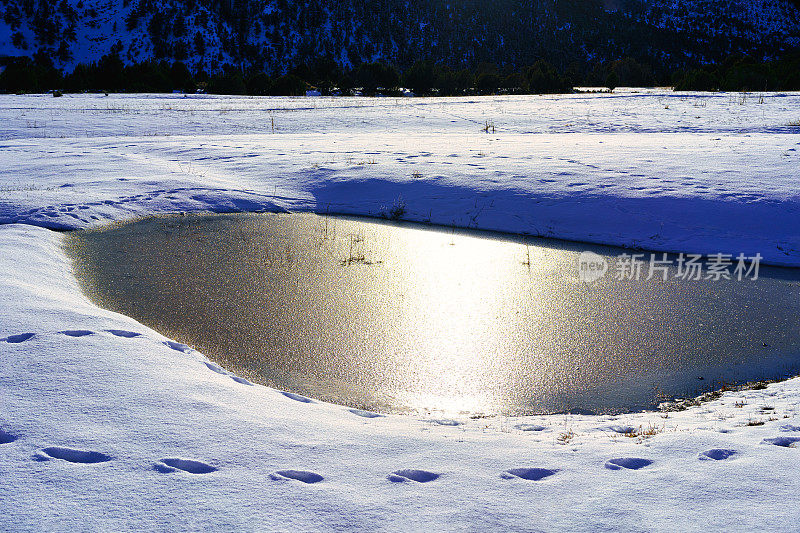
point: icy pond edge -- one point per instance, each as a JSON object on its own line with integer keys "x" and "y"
{"x": 669, "y": 406}
{"x": 100, "y": 376}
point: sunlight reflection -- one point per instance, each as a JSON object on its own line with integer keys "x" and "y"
{"x": 404, "y": 318}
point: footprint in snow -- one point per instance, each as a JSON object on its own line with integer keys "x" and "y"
{"x": 790, "y": 428}
{"x": 784, "y": 442}
{"x": 6, "y": 437}
{"x": 629, "y": 463}
{"x": 178, "y": 346}
{"x": 297, "y": 397}
{"x": 365, "y": 414}
{"x": 219, "y": 370}
{"x": 173, "y": 464}
{"x": 72, "y": 455}
{"x": 530, "y": 474}
{"x": 216, "y": 368}
{"x": 123, "y": 333}
{"x": 420, "y": 476}
{"x": 622, "y": 430}
{"x": 303, "y": 476}
{"x": 530, "y": 427}
{"x": 241, "y": 380}
{"x": 446, "y": 422}
{"x": 717, "y": 454}
{"x": 16, "y": 339}
{"x": 77, "y": 332}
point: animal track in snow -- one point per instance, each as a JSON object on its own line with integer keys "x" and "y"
{"x": 717, "y": 454}
{"x": 179, "y": 346}
{"x": 297, "y": 397}
{"x": 77, "y": 332}
{"x": 298, "y": 475}
{"x": 420, "y": 476}
{"x": 174, "y": 464}
{"x": 219, "y": 370}
{"x": 72, "y": 455}
{"x": 629, "y": 463}
{"x": 241, "y": 380}
{"x": 446, "y": 422}
{"x": 365, "y": 414}
{"x": 622, "y": 430}
{"x": 216, "y": 368}
{"x": 123, "y": 333}
{"x": 530, "y": 474}
{"x": 784, "y": 442}
{"x": 530, "y": 427}
{"x": 16, "y": 339}
{"x": 6, "y": 437}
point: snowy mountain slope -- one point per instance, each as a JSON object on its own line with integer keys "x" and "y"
{"x": 84, "y": 31}
{"x": 276, "y": 34}
{"x": 752, "y": 19}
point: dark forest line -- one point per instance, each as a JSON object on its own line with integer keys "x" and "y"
{"x": 424, "y": 78}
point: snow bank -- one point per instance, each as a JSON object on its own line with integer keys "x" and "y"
{"x": 698, "y": 173}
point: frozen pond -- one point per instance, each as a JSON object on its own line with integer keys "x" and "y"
{"x": 401, "y": 317}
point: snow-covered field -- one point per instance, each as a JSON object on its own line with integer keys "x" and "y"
{"x": 664, "y": 171}
{"x": 107, "y": 425}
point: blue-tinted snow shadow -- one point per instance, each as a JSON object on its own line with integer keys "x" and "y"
{"x": 661, "y": 222}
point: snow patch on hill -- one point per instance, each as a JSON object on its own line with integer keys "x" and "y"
{"x": 276, "y": 34}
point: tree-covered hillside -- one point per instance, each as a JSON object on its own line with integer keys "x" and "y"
{"x": 278, "y": 35}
